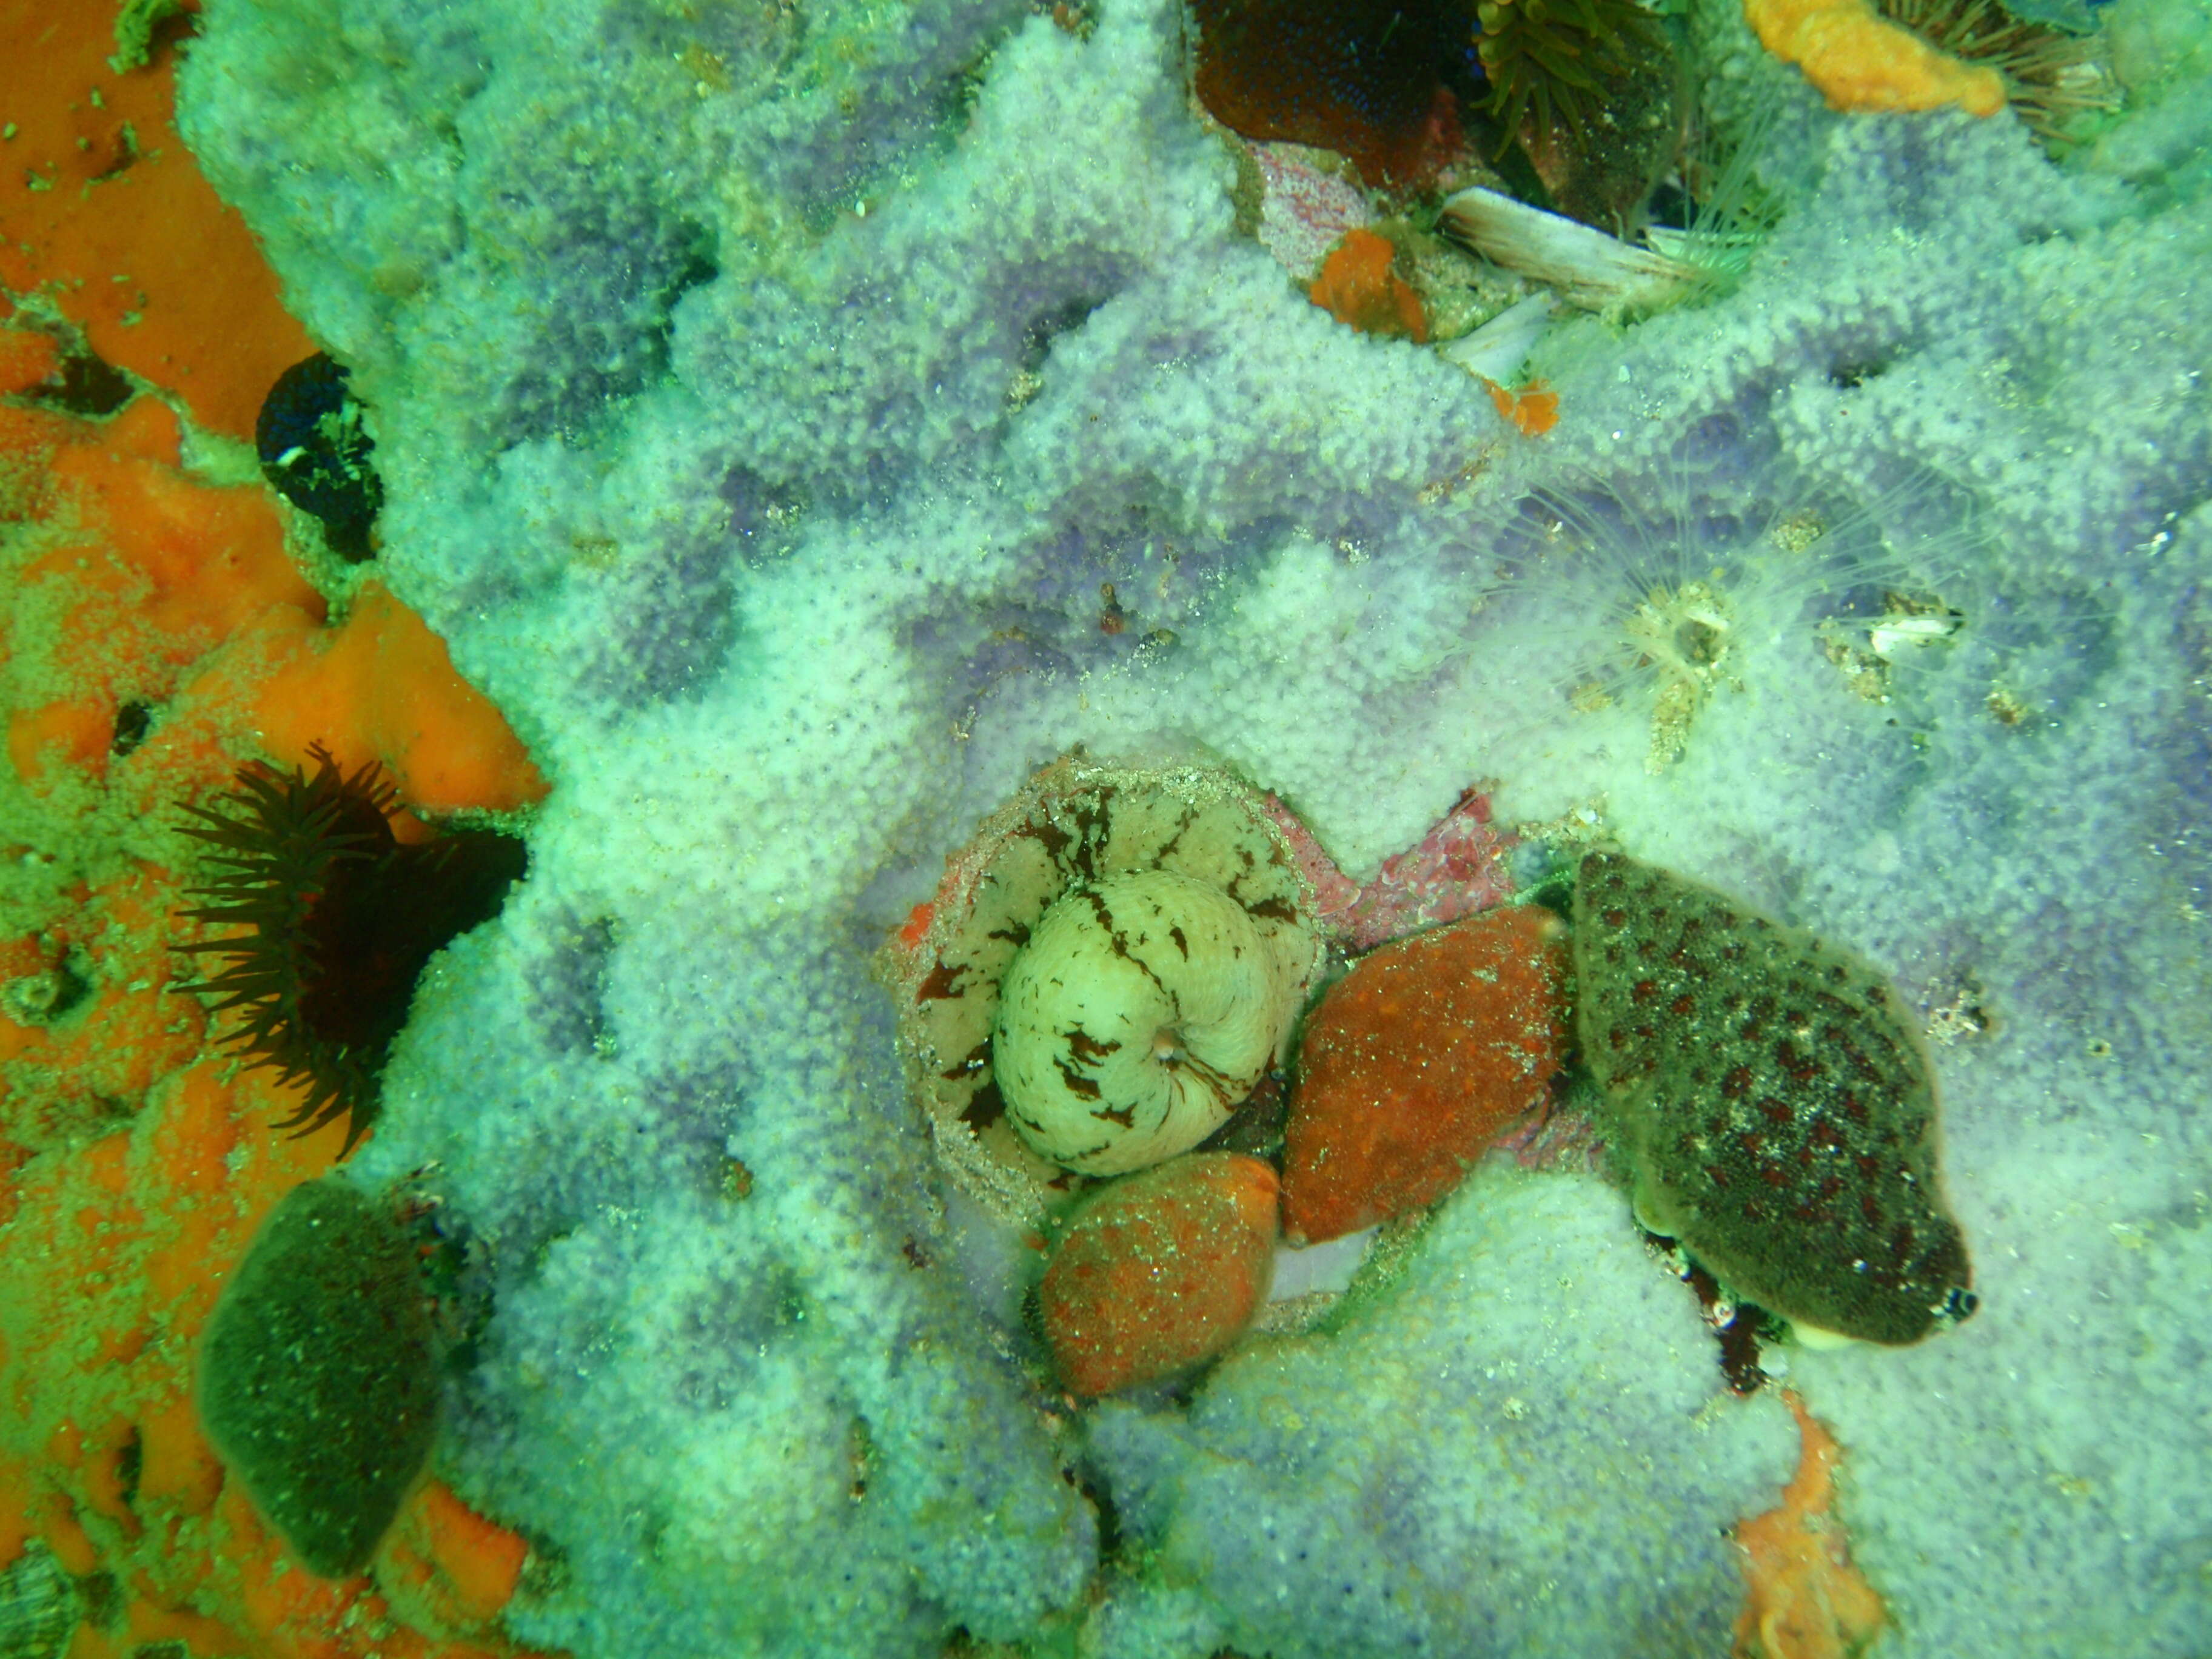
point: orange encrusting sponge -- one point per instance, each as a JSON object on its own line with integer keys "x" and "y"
{"x": 104, "y": 208}
{"x": 149, "y": 570}
{"x": 444, "y": 742}
{"x": 1804, "y": 1599}
{"x": 156, "y": 635}
{"x": 1860, "y": 61}
{"x": 115, "y": 1249}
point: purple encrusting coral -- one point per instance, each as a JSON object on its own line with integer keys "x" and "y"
{"x": 764, "y": 397}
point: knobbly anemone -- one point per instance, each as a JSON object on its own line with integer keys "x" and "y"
{"x": 1108, "y": 970}
{"x": 338, "y": 917}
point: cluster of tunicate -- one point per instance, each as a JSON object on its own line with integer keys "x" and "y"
{"x": 1776, "y": 1111}
{"x": 1108, "y": 969}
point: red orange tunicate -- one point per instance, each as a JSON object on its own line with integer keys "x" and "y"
{"x": 1160, "y": 1270}
{"x": 1414, "y": 1062}
{"x": 1372, "y": 80}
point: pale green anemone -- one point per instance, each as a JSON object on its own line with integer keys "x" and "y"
{"x": 1139, "y": 1015}
{"x": 1182, "y": 853}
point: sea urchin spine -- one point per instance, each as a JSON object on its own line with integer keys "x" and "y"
{"x": 339, "y": 919}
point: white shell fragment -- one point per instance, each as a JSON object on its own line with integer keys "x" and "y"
{"x": 1497, "y": 350}
{"x": 1594, "y": 271}
{"x": 1894, "y": 633}
{"x": 1139, "y": 1015}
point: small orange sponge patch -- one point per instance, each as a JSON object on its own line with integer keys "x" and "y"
{"x": 1358, "y": 288}
{"x": 1414, "y": 1062}
{"x": 1859, "y": 61}
{"x": 1534, "y": 408}
{"x": 1805, "y": 1600}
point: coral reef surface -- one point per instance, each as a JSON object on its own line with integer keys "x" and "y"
{"x": 804, "y": 421}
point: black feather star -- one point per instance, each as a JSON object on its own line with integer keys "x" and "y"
{"x": 338, "y": 918}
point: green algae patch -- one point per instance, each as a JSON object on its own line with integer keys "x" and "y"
{"x": 319, "y": 1375}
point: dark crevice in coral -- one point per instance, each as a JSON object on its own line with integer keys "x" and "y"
{"x": 1847, "y": 375}
{"x": 83, "y": 384}
{"x": 133, "y": 721}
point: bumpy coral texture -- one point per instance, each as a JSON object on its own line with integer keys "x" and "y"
{"x": 761, "y": 409}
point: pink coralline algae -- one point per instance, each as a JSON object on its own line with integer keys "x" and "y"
{"x": 1306, "y": 208}
{"x": 1455, "y": 869}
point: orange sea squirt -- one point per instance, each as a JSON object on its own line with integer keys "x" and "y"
{"x": 1415, "y": 1062}
{"x": 1159, "y": 1271}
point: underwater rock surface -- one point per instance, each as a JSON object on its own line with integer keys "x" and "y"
{"x": 763, "y": 397}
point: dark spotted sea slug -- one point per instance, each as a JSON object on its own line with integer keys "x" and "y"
{"x": 1776, "y": 1110}
{"x": 337, "y": 919}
